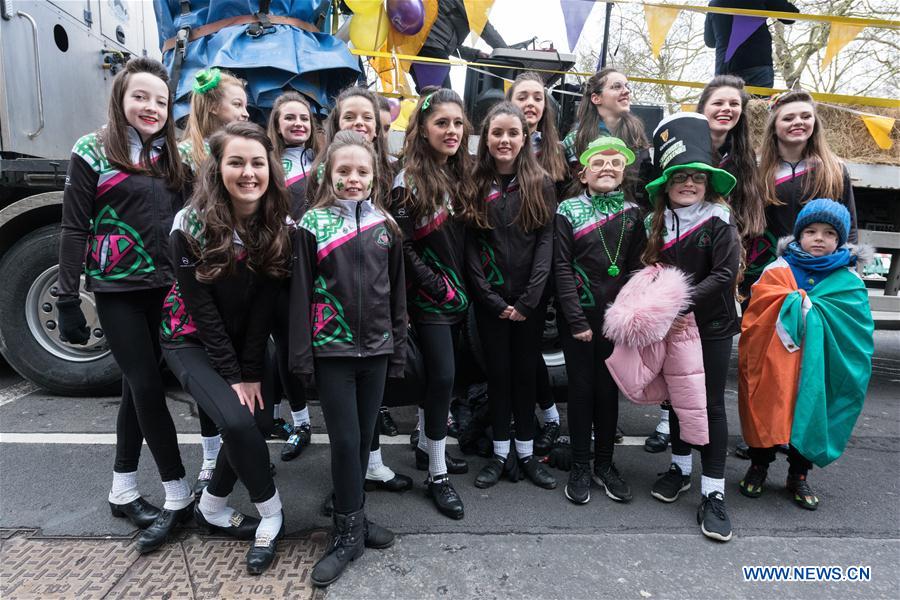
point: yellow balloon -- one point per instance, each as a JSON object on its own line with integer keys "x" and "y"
{"x": 406, "y": 110}
{"x": 369, "y": 31}
{"x": 364, "y": 7}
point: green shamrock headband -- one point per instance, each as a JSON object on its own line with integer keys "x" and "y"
{"x": 206, "y": 80}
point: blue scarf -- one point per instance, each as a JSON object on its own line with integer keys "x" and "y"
{"x": 809, "y": 270}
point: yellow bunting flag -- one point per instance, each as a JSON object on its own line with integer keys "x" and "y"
{"x": 477, "y": 12}
{"x": 659, "y": 22}
{"x": 840, "y": 35}
{"x": 384, "y": 66}
{"x": 688, "y": 108}
{"x": 880, "y": 130}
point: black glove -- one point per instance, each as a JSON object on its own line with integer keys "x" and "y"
{"x": 72, "y": 324}
{"x": 561, "y": 457}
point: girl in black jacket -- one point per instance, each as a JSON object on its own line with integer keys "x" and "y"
{"x": 529, "y": 94}
{"x": 123, "y": 189}
{"x": 692, "y": 228}
{"x": 292, "y": 131}
{"x": 348, "y": 327}
{"x": 508, "y": 253}
{"x": 430, "y": 199}
{"x": 598, "y": 240}
{"x": 231, "y": 249}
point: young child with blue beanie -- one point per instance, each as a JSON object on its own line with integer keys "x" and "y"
{"x": 805, "y": 353}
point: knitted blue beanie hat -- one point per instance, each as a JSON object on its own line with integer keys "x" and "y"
{"x": 824, "y": 210}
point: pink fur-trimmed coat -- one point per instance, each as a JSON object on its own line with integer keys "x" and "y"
{"x": 650, "y": 363}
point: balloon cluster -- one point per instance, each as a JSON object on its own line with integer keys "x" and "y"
{"x": 372, "y": 19}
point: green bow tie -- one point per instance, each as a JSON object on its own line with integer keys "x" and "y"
{"x": 608, "y": 204}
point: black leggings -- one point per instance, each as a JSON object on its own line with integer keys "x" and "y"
{"x": 593, "y": 395}
{"x": 436, "y": 344}
{"x": 510, "y": 348}
{"x": 243, "y": 434}
{"x": 130, "y": 323}
{"x": 286, "y": 383}
{"x": 797, "y": 463}
{"x": 544, "y": 394}
{"x": 350, "y": 392}
{"x": 716, "y": 356}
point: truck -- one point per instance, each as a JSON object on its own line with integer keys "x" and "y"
{"x": 57, "y": 61}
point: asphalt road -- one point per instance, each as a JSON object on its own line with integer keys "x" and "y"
{"x": 516, "y": 540}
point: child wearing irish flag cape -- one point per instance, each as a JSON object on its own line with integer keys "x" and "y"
{"x": 805, "y": 353}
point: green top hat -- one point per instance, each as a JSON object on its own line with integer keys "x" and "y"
{"x": 681, "y": 142}
{"x": 601, "y": 144}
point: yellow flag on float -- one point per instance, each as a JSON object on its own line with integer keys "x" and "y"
{"x": 477, "y": 12}
{"x": 659, "y": 22}
{"x": 840, "y": 35}
{"x": 880, "y": 129}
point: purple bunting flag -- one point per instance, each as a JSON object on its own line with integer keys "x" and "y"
{"x": 741, "y": 28}
{"x": 430, "y": 73}
{"x": 575, "y": 14}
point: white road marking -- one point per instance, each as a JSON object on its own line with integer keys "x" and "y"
{"x": 109, "y": 439}
{"x": 16, "y": 391}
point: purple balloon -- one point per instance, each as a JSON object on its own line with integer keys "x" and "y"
{"x": 406, "y": 16}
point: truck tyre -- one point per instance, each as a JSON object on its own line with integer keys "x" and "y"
{"x": 29, "y": 340}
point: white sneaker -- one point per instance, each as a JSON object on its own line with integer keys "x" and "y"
{"x": 382, "y": 473}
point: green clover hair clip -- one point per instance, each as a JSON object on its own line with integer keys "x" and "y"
{"x": 427, "y": 102}
{"x": 206, "y": 80}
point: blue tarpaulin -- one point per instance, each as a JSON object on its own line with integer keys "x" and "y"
{"x": 316, "y": 64}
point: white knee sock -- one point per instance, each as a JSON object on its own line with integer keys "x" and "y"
{"x": 663, "y": 425}
{"x": 685, "y": 463}
{"x": 178, "y": 494}
{"x": 215, "y": 509}
{"x": 708, "y": 485}
{"x": 437, "y": 464}
{"x": 524, "y": 449}
{"x": 124, "y": 488}
{"x": 501, "y": 448}
{"x": 270, "y": 515}
{"x": 551, "y": 415}
{"x": 375, "y": 460}
{"x": 300, "y": 417}
{"x": 422, "y": 445}
{"x": 211, "y": 446}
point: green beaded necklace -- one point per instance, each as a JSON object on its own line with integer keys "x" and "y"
{"x": 609, "y": 204}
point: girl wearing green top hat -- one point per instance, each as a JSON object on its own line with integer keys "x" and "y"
{"x": 692, "y": 228}
{"x": 598, "y": 239}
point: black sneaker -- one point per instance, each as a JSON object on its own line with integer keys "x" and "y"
{"x": 281, "y": 429}
{"x": 803, "y": 494}
{"x": 578, "y": 490}
{"x": 445, "y": 497}
{"x": 414, "y": 440}
{"x": 752, "y": 483}
{"x": 609, "y": 478}
{"x": 672, "y": 483}
{"x": 713, "y": 518}
{"x": 742, "y": 450}
{"x": 619, "y": 436}
{"x": 545, "y": 440}
{"x": 300, "y": 438}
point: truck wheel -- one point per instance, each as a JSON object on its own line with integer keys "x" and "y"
{"x": 29, "y": 338}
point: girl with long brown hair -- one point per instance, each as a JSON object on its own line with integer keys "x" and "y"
{"x": 529, "y": 94}
{"x": 123, "y": 188}
{"x": 232, "y": 249}
{"x": 692, "y": 228}
{"x": 292, "y": 131}
{"x": 217, "y": 98}
{"x": 357, "y": 109}
{"x": 796, "y": 166}
{"x": 605, "y": 110}
{"x": 432, "y": 196}
{"x": 348, "y": 327}
{"x": 508, "y": 253}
